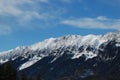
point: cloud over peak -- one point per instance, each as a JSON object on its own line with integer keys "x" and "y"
{"x": 100, "y": 22}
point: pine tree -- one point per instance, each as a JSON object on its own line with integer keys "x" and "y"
{"x": 30, "y": 78}
{"x": 23, "y": 76}
{"x": 1, "y": 73}
{"x": 8, "y": 72}
{"x": 38, "y": 77}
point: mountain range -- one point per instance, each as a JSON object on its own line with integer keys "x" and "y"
{"x": 71, "y": 57}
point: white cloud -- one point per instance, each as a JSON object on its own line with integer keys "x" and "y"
{"x": 29, "y": 16}
{"x": 4, "y": 30}
{"x": 10, "y": 7}
{"x": 26, "y": 10}
{"x": 14, "y": 8}
{"x": 25, "y": 14}
{"x": 100, "y": 22}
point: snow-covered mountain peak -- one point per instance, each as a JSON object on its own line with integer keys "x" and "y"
{"x": 69, "y": 40}
{"x": 44, "y": 44}
{"x": 46, "y": 47}
{"x": 59, "y": 53}
{"x": 20, "y": 47}
{"x": 112, "y": 36}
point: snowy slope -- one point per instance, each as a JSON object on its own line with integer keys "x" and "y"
{"x": 42, "y": 49}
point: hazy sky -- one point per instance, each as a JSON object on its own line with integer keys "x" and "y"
{"x": 24, "y": 22}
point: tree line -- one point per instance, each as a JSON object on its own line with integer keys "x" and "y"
{"x": 8, "y": 72}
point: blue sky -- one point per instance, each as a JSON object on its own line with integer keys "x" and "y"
{"x": 24, "y": 22}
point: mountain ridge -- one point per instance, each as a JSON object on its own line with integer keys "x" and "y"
{"x": 46, "y": 40}
{"x": 65, "y": 41}
{"x": 78, "y": 50}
